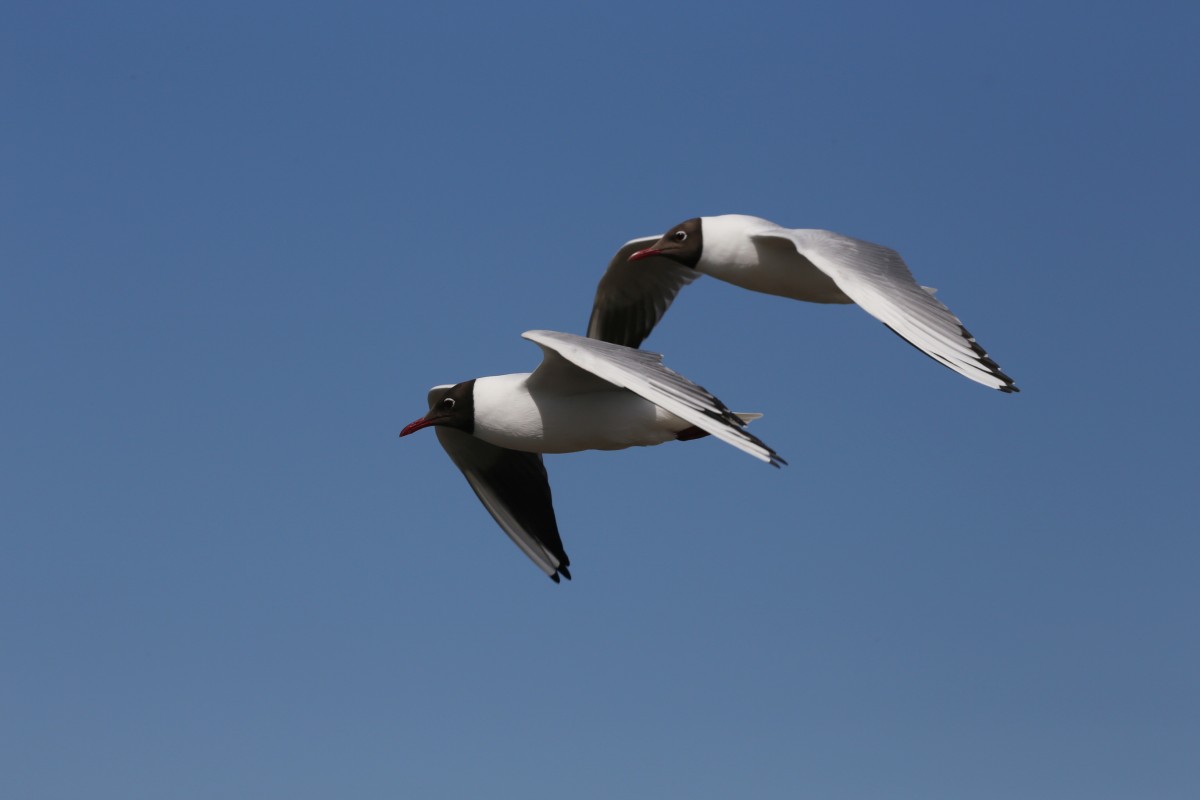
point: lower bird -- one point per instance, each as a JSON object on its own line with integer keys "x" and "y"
{"x": 585, "y": 395}
{"x": 818, "y": 266}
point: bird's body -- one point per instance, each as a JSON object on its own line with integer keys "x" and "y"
{"x": 585, "y": 395}
{"x": 733, "y": 254}
{"x": 510, "y": 413}
{"x": 812, "y": 265}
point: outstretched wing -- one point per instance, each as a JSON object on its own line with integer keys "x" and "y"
{"x": 643, "y": 374}
{"x": 632, "y": 297}
{"x": 514, "y": 488}
{"x": 876, "y": 278}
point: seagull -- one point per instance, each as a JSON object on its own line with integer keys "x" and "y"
{"x": 585, "y": 395}
{"x": 817, "y": 266}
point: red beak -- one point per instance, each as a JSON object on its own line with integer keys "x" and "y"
{"x": 416, "y": 426}
{"x": 640, "y": 254}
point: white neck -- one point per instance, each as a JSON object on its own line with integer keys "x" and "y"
{"x": 504, "y": 408}
{"x": 728, "y": 248}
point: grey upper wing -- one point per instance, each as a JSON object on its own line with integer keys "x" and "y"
{"x": 876, "y": 278}
{"x": 632, "y": 297}
{"x": 643, "y": 373}
{"x": 514, "y": 488}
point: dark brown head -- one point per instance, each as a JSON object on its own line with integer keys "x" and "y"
{"x": 452, "y": 406}
{"x": 683, "y": 244}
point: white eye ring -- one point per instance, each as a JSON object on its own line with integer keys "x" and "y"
{"x": 448, "y": 403}
{"x": 680, "y": 236}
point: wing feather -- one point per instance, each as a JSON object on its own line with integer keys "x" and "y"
{"x": 632, "y": 297}
{"x": 644, "y": 374}
{"x": 876, "y": 278}
{"x": 514, "y": 488}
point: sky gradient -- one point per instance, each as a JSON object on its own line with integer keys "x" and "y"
{"x": 241, "y": 241}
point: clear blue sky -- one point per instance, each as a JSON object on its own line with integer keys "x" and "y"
{"x": 240, "y": 241}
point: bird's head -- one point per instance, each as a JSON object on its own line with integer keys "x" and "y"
{"x": 451, "y": 406}
{"x": 683, "y": 244}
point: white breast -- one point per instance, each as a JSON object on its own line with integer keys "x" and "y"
{"x": 508, "y": 415}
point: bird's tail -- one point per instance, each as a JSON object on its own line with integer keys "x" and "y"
{"x": 747, "y": 418}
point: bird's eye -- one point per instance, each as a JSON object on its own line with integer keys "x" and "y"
{"x": 448, "y": 403}
{"x": 679, "y": 236}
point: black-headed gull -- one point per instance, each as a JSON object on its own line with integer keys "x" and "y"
{"x": 813, "y": 265}
{"x": 585, "y": 395}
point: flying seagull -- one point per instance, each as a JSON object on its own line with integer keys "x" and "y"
{"x": 805, "y": 264}
{"x": 585, "y": 395}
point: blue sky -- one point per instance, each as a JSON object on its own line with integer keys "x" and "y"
{"x": 240, "y": 241}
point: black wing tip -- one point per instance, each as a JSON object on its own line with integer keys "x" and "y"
{"x": 563, "y": 571}
{"x": 1009, "y": 386}
{"x": 982, "y": 358}
{"x": 724, "y": 415}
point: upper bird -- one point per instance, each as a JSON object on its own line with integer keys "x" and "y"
{"x": 805, "y": 264}
{"x": 585, "y": 395}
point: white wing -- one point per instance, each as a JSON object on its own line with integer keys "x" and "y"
{"x": 632, "y": 298}
{"x": 876, "y": 278}
{"x": 514, "y": 488}
{"x": 643, "y": 374}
